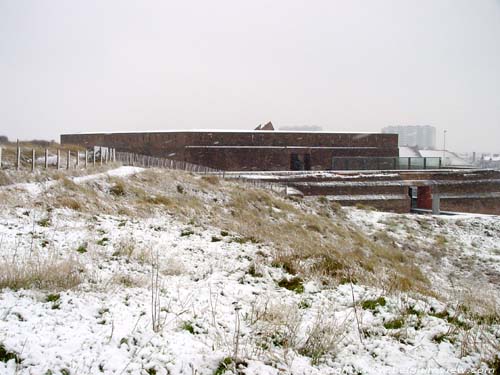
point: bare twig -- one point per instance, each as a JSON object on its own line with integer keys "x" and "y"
{"x": 360, "y": 332}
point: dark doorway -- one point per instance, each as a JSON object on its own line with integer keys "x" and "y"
{"x": 424, "y": 197}
{"x": 412, "y": 192}
{"x": 295, "y": 163}
{"x": 307, "y": 162}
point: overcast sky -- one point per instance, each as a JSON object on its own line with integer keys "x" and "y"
{"x": 352, "y": 65}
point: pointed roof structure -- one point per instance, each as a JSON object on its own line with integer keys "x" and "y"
{"x": 268, "y": 126}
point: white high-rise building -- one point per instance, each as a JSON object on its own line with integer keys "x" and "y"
{"x": 420, "y": 136}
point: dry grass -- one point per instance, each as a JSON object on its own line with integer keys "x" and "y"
{"x": 310, "y": 238}
{"x": 49, "y": 273}
{"x": 281, "y": 328}
{"x": 319, "y": 245}
{"x": 118, "y": 187}
{"x": 125, "y": 247}
{"x": 4, "y": 179}
{"x": 214, "y": 180}
{"x": 71, "y": 203}
{"x": 25, "y": 175}
{"x": 128, "y": 281}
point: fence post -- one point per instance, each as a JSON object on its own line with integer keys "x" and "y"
{"x": 46, "y": 161}
{"x": 58, "y": 158}
{"x": 0, "y": 158}
{"x": 100, "y": 155}
{"x": 93, "y": 157}
{"x": 68, "y": 165}
{"x": 18, "y": 157}
{"x": 86, "y": 158}
{"x": 33, "y": 160}
{"x": 77, "y": 159}
{"x": 435, "y": 204}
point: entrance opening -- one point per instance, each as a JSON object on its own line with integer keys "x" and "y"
{"x": 295, "y": 163}
{"x": 412, "y": 192}
{"x": 424, "y": 197}
{"x": 307, "y": 162}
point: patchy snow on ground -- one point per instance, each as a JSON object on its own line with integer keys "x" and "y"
{"x": 35, "y": 188}
{"x": 218, "y": 303}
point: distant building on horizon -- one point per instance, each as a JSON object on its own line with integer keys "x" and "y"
{"x": 307, "y": 128}
{"x": 420, "y": 136}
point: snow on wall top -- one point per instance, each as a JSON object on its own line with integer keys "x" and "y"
{"x": 224, "y": 131}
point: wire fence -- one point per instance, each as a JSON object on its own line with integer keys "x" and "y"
{"x": 30, "y": 158}
{"x": 146, "y": 161}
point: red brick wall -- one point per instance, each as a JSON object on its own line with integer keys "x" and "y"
{"x": 272, "y": 152}
{"x": 489, "y": 206}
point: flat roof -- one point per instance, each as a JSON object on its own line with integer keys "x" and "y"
{"x": 228, "y": 131}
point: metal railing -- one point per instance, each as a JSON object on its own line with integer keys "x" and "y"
{"x": 385, "y": 163}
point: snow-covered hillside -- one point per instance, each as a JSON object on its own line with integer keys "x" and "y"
{"x": 154, "y": 272}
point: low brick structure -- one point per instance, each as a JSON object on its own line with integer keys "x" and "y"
{"x": 266, "y": 150}
{"x": 474, "y": 191}
{"x": 254, "y": 150}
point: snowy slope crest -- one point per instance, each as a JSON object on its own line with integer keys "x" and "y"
{"x": 115, "y": 273}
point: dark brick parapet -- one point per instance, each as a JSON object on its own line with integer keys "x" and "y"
{"x": 245, "y": 150}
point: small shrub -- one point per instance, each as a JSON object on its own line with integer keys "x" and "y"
{"x": 394, "y": 323}
{"x": 452, "y": 319}
{"x": 304, "y": 304}
{"x": 224, "y": 233}
{"x": 53, "y": 297}
{"x": 6, "y": 356}
{"x": 371, "y": 304}
{"x": 223, "y": 366}
{"x": 243, "y": 240}
{"x": 118, "y": 189}
{"x": 103, "y": 241}
{"x": 329, "y": 264}
{"x": 288, "y": 264}
{"x": 494, "y": 364}
{"x": 295, "y": 284}
{"x": 188, "y": 326}
{"x": 45, "y": 222}
{"x": 322, "y": 199}
{"x": 216, "y": 239}
{"x": 180, "y": 189}
{"x": 252, "y": 271}
{"x": 322, "y": 338}
{"x": 438, "y": 338}
{"x": 82, "y": 249}
{"x": 187, "y": 232}
{"x": 412, "y": 311}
